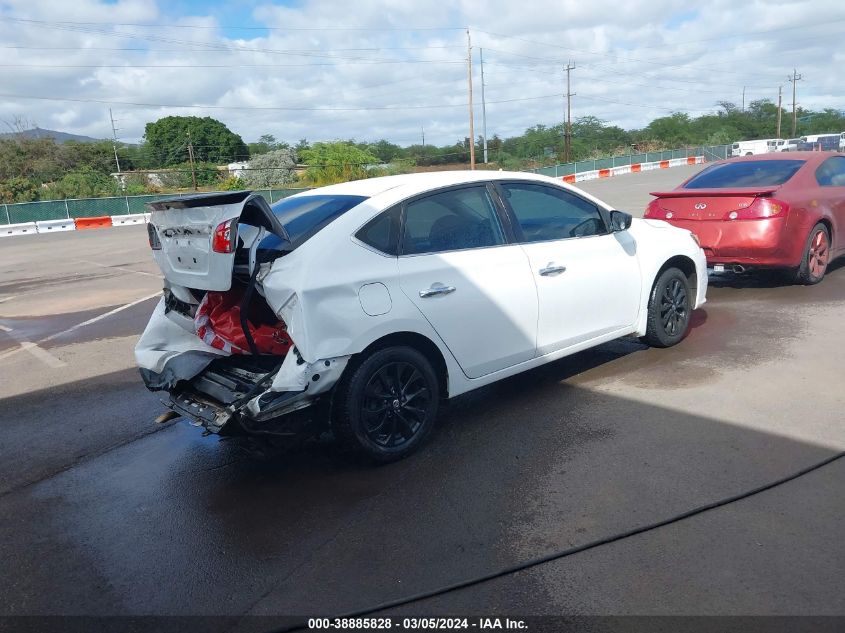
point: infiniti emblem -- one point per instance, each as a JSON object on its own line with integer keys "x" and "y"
{"x": 700, "y": 205}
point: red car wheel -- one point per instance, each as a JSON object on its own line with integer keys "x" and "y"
{"x": 816, "y": 256}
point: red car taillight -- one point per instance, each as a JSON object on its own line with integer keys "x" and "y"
{"x": 760, "y": 209}
{"x": 225, "y": 237}
{"x": 654, "y": 211}
{"x": 152, "y": 234}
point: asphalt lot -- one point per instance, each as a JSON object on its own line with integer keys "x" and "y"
{"x": 104, "y": 513}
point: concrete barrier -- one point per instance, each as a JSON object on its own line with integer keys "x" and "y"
{"x": 101, "y": 222}
{"x": 126, "y": 220}
{"x": 147, "y": 217}
{"x": 23, "y": 228}
{"x": 54, "y": 226}
{"x": 604, "y": 173}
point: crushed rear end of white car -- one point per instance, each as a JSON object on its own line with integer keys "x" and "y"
{"x": 227, "y": 359}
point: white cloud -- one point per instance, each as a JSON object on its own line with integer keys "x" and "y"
{"x": 634, "y": 61}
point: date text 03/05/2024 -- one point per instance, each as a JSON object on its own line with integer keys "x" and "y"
{"x": 435, "y": 624}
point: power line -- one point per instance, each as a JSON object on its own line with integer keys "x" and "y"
{"x": 263, "y": 108}
{"x": 188, "y": 66}
{"x": 240, "y": 28}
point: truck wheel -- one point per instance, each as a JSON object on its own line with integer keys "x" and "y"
{"x": 669, "y": 309}
{"x": 386, "y": 405}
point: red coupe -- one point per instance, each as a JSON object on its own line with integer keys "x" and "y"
{"x": 776, "y": 211}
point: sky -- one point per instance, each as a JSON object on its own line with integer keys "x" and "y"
{"x": 397, "y": 69}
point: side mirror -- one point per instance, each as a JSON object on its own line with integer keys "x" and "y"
{"x": 620, "y": 221}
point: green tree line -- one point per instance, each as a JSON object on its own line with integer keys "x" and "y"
{"x": 41, "y": 169}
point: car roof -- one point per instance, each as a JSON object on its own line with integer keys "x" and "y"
{"x": 409, "y": 183}
{"x": 809, "y": 157}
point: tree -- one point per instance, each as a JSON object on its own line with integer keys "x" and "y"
{"x": 18, "y": 189}
{"x": 384, "y": 150}
{"x": 266, "y": 143}
{"x": 337, "y": 162}
{"x": 167, "y": 140}
{"x": 272, "y": 168}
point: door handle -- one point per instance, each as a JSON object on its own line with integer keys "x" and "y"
{"x": 435, "y": 290}
{"x": 552, "y": 269}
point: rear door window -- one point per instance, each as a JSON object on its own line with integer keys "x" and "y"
{"x": 382, "y": 232}
{"x": 752, "y": 173}
{"x": 455, "y": 219}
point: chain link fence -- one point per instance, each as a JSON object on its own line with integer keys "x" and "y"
{"x": 97, "y": 207}
{"x": 125, "y": 205}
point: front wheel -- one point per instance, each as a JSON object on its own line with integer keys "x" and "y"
{"x": 386, "y": 405}
{"x": 669, "y": 309}
{"x": 816, "y": 257}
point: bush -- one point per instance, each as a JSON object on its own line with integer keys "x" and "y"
{"x": 232, "y": 183}
{"x": 179, "y": 176}
{"x": 272, "y": 168}
{"x": 337, "y": 162}
{"x": 18, "y": 189}
{"x": 83, "y": 183}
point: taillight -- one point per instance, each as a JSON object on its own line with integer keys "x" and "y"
{"x": 225, "y": 236}
{"x": 655, "y": 212}
{"x": 760, "y": 209}
{"x": 155, "y": 243}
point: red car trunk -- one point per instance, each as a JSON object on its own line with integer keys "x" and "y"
{"x": 703, "y": 204}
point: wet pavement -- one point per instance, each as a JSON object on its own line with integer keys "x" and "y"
{"x": 104, "y": 513}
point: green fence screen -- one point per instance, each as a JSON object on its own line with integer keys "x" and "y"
{"x": 95, "y": 207}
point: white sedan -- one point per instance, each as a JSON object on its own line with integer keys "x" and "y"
{"x": 366, "y": 304}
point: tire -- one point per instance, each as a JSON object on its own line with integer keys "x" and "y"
{"x": 816, "y": 257}
{"x": 385, "y": 405}
{"x": 669, "y": 309}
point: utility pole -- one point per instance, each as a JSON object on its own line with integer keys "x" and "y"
{"x": 471, "y": 122}
{"x": 743, "y": 98}
{"x": 794, "y": 78}
{"x": 191, "y": 158}
{"x": 483, "y": 105}
{"x": 114, "y": 141}
{"x": 422, "y": 130}
{"x": 567, "y": 135}
{"x": 780, "y": 110}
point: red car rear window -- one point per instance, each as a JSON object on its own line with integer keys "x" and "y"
{"x": 750, "y": 173}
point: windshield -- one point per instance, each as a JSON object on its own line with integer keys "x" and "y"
{"x": 752, "y": 173}
{"x": 303, "y": 216}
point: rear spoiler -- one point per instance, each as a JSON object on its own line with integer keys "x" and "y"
{"x": 710, "y": 193}
{"x": 255, "y": 209}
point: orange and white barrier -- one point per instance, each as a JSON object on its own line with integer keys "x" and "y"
{"x": 55, "y": 226}
{"x": 100, "y": 222}
{"x": 633, "y": 168}
{"x": 22, "y": 228}
{"x": 127, "y": 220}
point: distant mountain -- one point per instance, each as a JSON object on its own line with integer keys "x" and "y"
{"x": 59, "y": 137}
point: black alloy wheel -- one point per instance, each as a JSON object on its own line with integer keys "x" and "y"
{"x": 669, "y": 309}
{"x": 386, "y": 403}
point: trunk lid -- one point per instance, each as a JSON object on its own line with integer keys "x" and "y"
{"x": 184, "y": 229}
{"x": 703, "y": 204}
